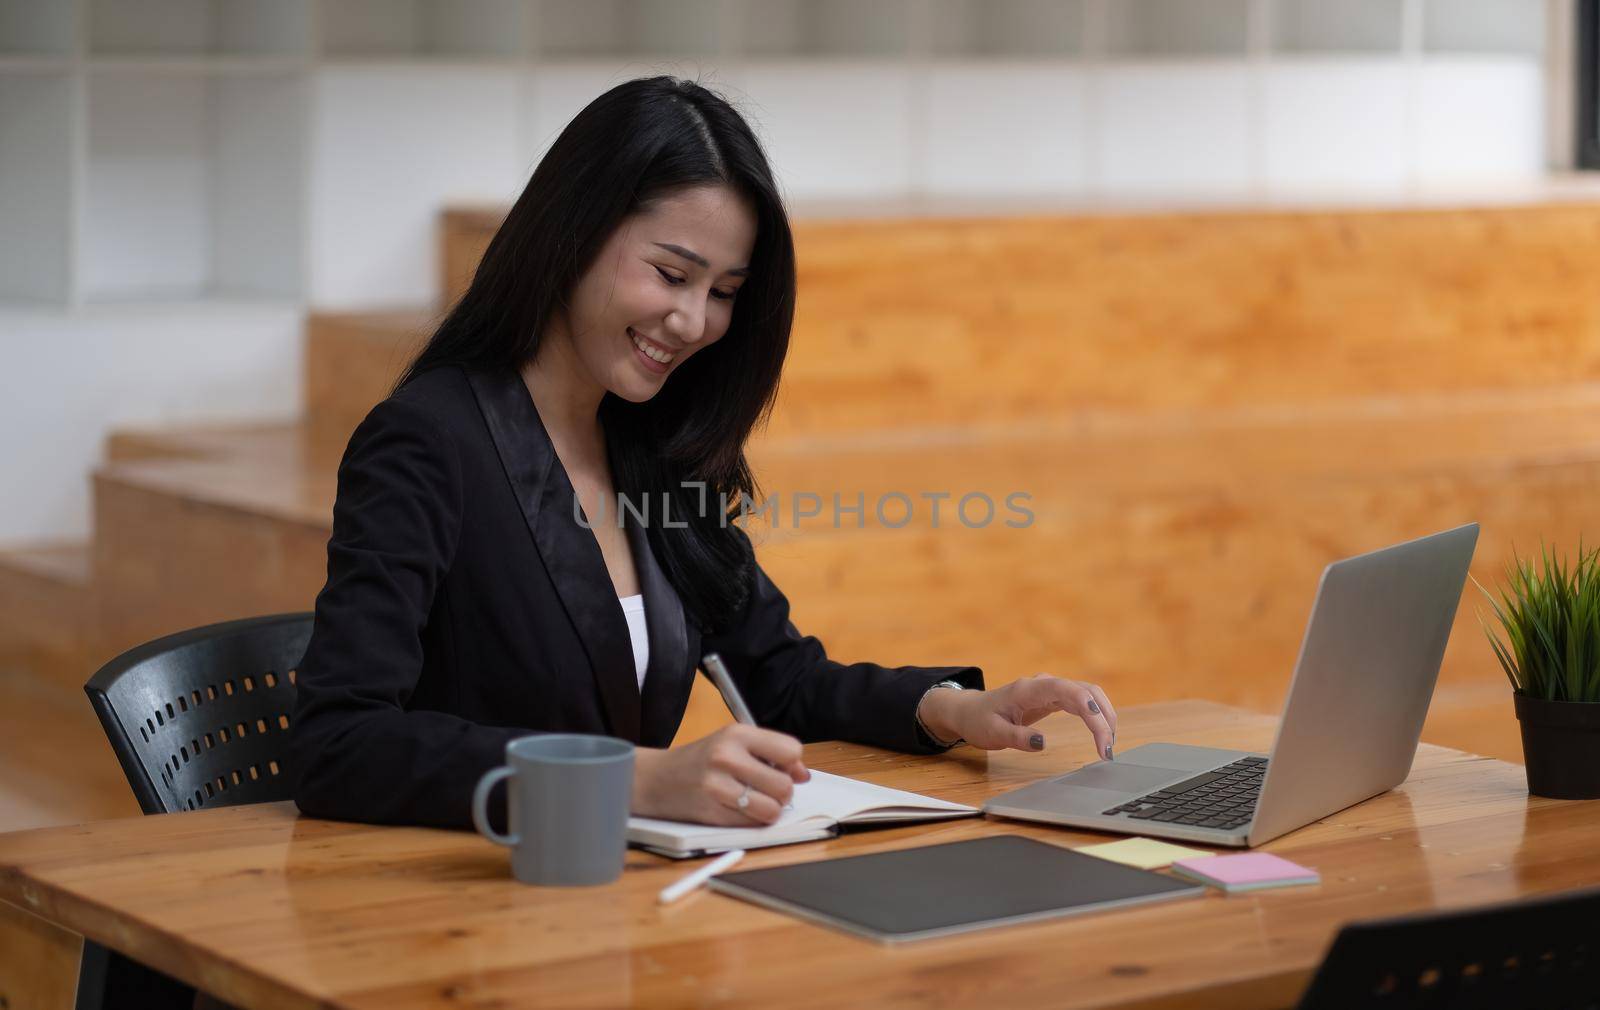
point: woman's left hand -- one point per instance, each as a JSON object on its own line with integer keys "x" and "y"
{"x": 994, "y": 720}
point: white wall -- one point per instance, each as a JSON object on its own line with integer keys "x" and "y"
{"x": 148, "y": 210}
{"x": 392, "y": 145}
{"x": 70, "y": 377}
{"x": 35, "y": 192}
{"x": 317, "y": 176}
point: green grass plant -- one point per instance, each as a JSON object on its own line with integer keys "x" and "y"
{"x": 1550, "y": 615}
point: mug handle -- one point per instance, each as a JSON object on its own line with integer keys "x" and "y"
{"x": 480, "y": 807}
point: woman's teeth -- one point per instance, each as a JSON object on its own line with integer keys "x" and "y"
{"x": 650, "y": 351}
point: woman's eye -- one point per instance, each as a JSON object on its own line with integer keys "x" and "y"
{"x": 675, "y": 280}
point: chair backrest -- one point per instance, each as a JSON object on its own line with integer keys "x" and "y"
{"x": 200, "y": 718}
{"x": 1541, "y": 952}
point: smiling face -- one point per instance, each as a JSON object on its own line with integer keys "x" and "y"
{"x": 661, "y": 289}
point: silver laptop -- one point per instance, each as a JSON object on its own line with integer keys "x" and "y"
{"x": 1350, "y": 724}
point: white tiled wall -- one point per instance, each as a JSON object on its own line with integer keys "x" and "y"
{"x": 1478, "y": 119}
{"x": 187, "y": 174}
{"x": 148, "y": 188}
{"x": 1022, "y": 130}
{"x": 1178, "y": 129}
{"x": 846, "y": 132}
{"x": 78, "y": 375}
{"x": 1329, "y": 127}
{"x": 390, "y": 146}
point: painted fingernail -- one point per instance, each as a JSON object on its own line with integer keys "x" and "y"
{"x": 1093, "y": 707}
{"x": 1108, "y": 752}
{"x": 1036, "y": 741}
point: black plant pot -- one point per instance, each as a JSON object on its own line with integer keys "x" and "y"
{"x": 1561, "y": 745}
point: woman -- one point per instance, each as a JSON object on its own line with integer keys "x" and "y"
{"x": 624, "y": 334}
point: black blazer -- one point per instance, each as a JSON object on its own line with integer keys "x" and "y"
{"x": 465, "y": 606}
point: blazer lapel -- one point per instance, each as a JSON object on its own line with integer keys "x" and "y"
{"x": 570, "y": 552}
{"x": 671, "y": 669}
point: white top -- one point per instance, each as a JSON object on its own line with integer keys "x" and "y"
{"x": 633, "y": 610}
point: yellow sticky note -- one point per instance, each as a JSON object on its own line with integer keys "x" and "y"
{"x": 1145, "y": 853}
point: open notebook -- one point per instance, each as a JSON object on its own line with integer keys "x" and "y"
{"x": 819, "y": 807}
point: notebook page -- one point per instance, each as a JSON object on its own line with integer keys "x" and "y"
{"x": 817, "y": 805}
{"x": 844, "y": 799}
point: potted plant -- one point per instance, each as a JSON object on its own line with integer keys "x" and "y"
{"x": 1550, "y": 615}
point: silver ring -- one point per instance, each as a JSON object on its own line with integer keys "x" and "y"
{"x": 744, "y": 799}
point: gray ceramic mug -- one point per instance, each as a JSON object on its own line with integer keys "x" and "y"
{"x": 566, "y": 806}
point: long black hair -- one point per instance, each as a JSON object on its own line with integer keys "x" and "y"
{"x": 642, "y": 141}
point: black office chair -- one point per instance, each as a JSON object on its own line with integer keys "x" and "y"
{"x": 1539, "y": 953}
{"x": 197, "y": 719}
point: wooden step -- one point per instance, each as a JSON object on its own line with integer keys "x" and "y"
{"x": 47, "y": 611}
{"x": 1169, "y": 563}
{"x": 63, "y": 564}
{"x": 1150, "y": 453}
{"x": 218, "y": 443}
{"x": 56, "y": 766}
{"x": 352, "y": 361}
{"x": 238, "y": 531}
{"x": 1135, "y": 449}
{"x": 464, "y": 234}
{"x": 1211, "y": 588}
{"x": 1204, "y": 408}
{"x": 914, "y": 323}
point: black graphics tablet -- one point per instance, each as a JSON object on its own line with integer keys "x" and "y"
{"x": 937, "y": 890}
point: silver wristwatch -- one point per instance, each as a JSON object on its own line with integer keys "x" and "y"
{"x": 948, "y": 685}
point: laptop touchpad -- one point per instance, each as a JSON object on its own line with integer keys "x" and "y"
{"x": 1120, "y": 777}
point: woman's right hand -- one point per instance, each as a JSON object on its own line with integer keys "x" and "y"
{"x": 702, "y": 781}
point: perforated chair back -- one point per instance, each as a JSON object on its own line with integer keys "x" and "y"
{"x": 201, "y": 718}
{"x": 1540, "y": 952}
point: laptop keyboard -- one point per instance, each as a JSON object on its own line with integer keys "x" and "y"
{"x": 1221, "y": 798}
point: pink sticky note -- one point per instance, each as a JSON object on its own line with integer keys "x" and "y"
{"x": 1248, "y": 869}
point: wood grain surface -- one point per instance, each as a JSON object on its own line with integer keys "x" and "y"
{"x": 266, "y": 909}
{"x": 38, "y": 962}
{"x": 909, "y": 321}
{"x": 1203, "y": 408}
{"x": 1162, "y": 560}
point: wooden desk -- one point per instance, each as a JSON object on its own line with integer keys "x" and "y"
{"x": 267, "y": 909}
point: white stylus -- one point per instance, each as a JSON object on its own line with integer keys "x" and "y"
{"x": 673, "y": 892}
